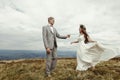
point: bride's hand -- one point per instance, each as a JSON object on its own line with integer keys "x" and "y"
{"x": 71, "y": 43}
{"x": 74, "y": 42}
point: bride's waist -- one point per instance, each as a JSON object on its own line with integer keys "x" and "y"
{"x": 87, "y": 45}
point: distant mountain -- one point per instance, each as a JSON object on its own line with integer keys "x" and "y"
{"x": 26, "y": 54}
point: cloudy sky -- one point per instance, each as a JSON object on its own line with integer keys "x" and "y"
{"x": 21, "y": 21}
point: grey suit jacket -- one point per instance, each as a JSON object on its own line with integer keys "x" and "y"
{"x": 49, "y": 38}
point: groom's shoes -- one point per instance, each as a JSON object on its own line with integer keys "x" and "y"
{"x": 49, "y": 75}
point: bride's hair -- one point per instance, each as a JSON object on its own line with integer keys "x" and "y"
{"x": 83, "y": 30}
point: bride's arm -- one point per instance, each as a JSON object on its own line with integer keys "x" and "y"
{"x": 74, "y": 42}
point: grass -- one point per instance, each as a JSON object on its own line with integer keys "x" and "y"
{"x": 34, "y": 69}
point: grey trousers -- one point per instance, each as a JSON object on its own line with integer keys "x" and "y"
{"x": 51, "y": 60}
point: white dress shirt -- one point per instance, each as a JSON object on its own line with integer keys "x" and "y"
{"x": 51, "y": 27}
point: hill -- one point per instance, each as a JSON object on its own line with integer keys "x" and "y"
{"x": 33, "y": 69}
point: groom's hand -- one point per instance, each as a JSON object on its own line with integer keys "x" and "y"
{"x": 48, "y": 50}
{"x": 68, "y": 36}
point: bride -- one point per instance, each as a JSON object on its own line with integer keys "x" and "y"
{"x": 91, "y": 52}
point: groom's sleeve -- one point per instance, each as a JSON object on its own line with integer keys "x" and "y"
{"x": 60, "y": 36}
{"x": 44, "y": 33}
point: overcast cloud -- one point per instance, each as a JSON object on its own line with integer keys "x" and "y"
{"x": 21, "y": 21}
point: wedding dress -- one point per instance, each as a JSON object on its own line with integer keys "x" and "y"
{"x": 90, "y": 54}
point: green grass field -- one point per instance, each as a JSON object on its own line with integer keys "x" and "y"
{"x": 34, "y": 69}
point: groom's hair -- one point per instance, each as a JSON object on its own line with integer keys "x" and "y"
{"x": 50, "y": 18}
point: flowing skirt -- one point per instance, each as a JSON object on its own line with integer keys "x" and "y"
{"x": 90, "y": 54}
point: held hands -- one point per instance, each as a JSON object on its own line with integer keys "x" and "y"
{"x": 68, "y": 36}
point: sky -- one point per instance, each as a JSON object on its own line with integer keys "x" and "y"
{"x": 21, "y": 22}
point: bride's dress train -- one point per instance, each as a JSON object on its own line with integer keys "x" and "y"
{"x": 90, "y": 54}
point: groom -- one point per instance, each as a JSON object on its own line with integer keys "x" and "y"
{"x": 50, "y": 43}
